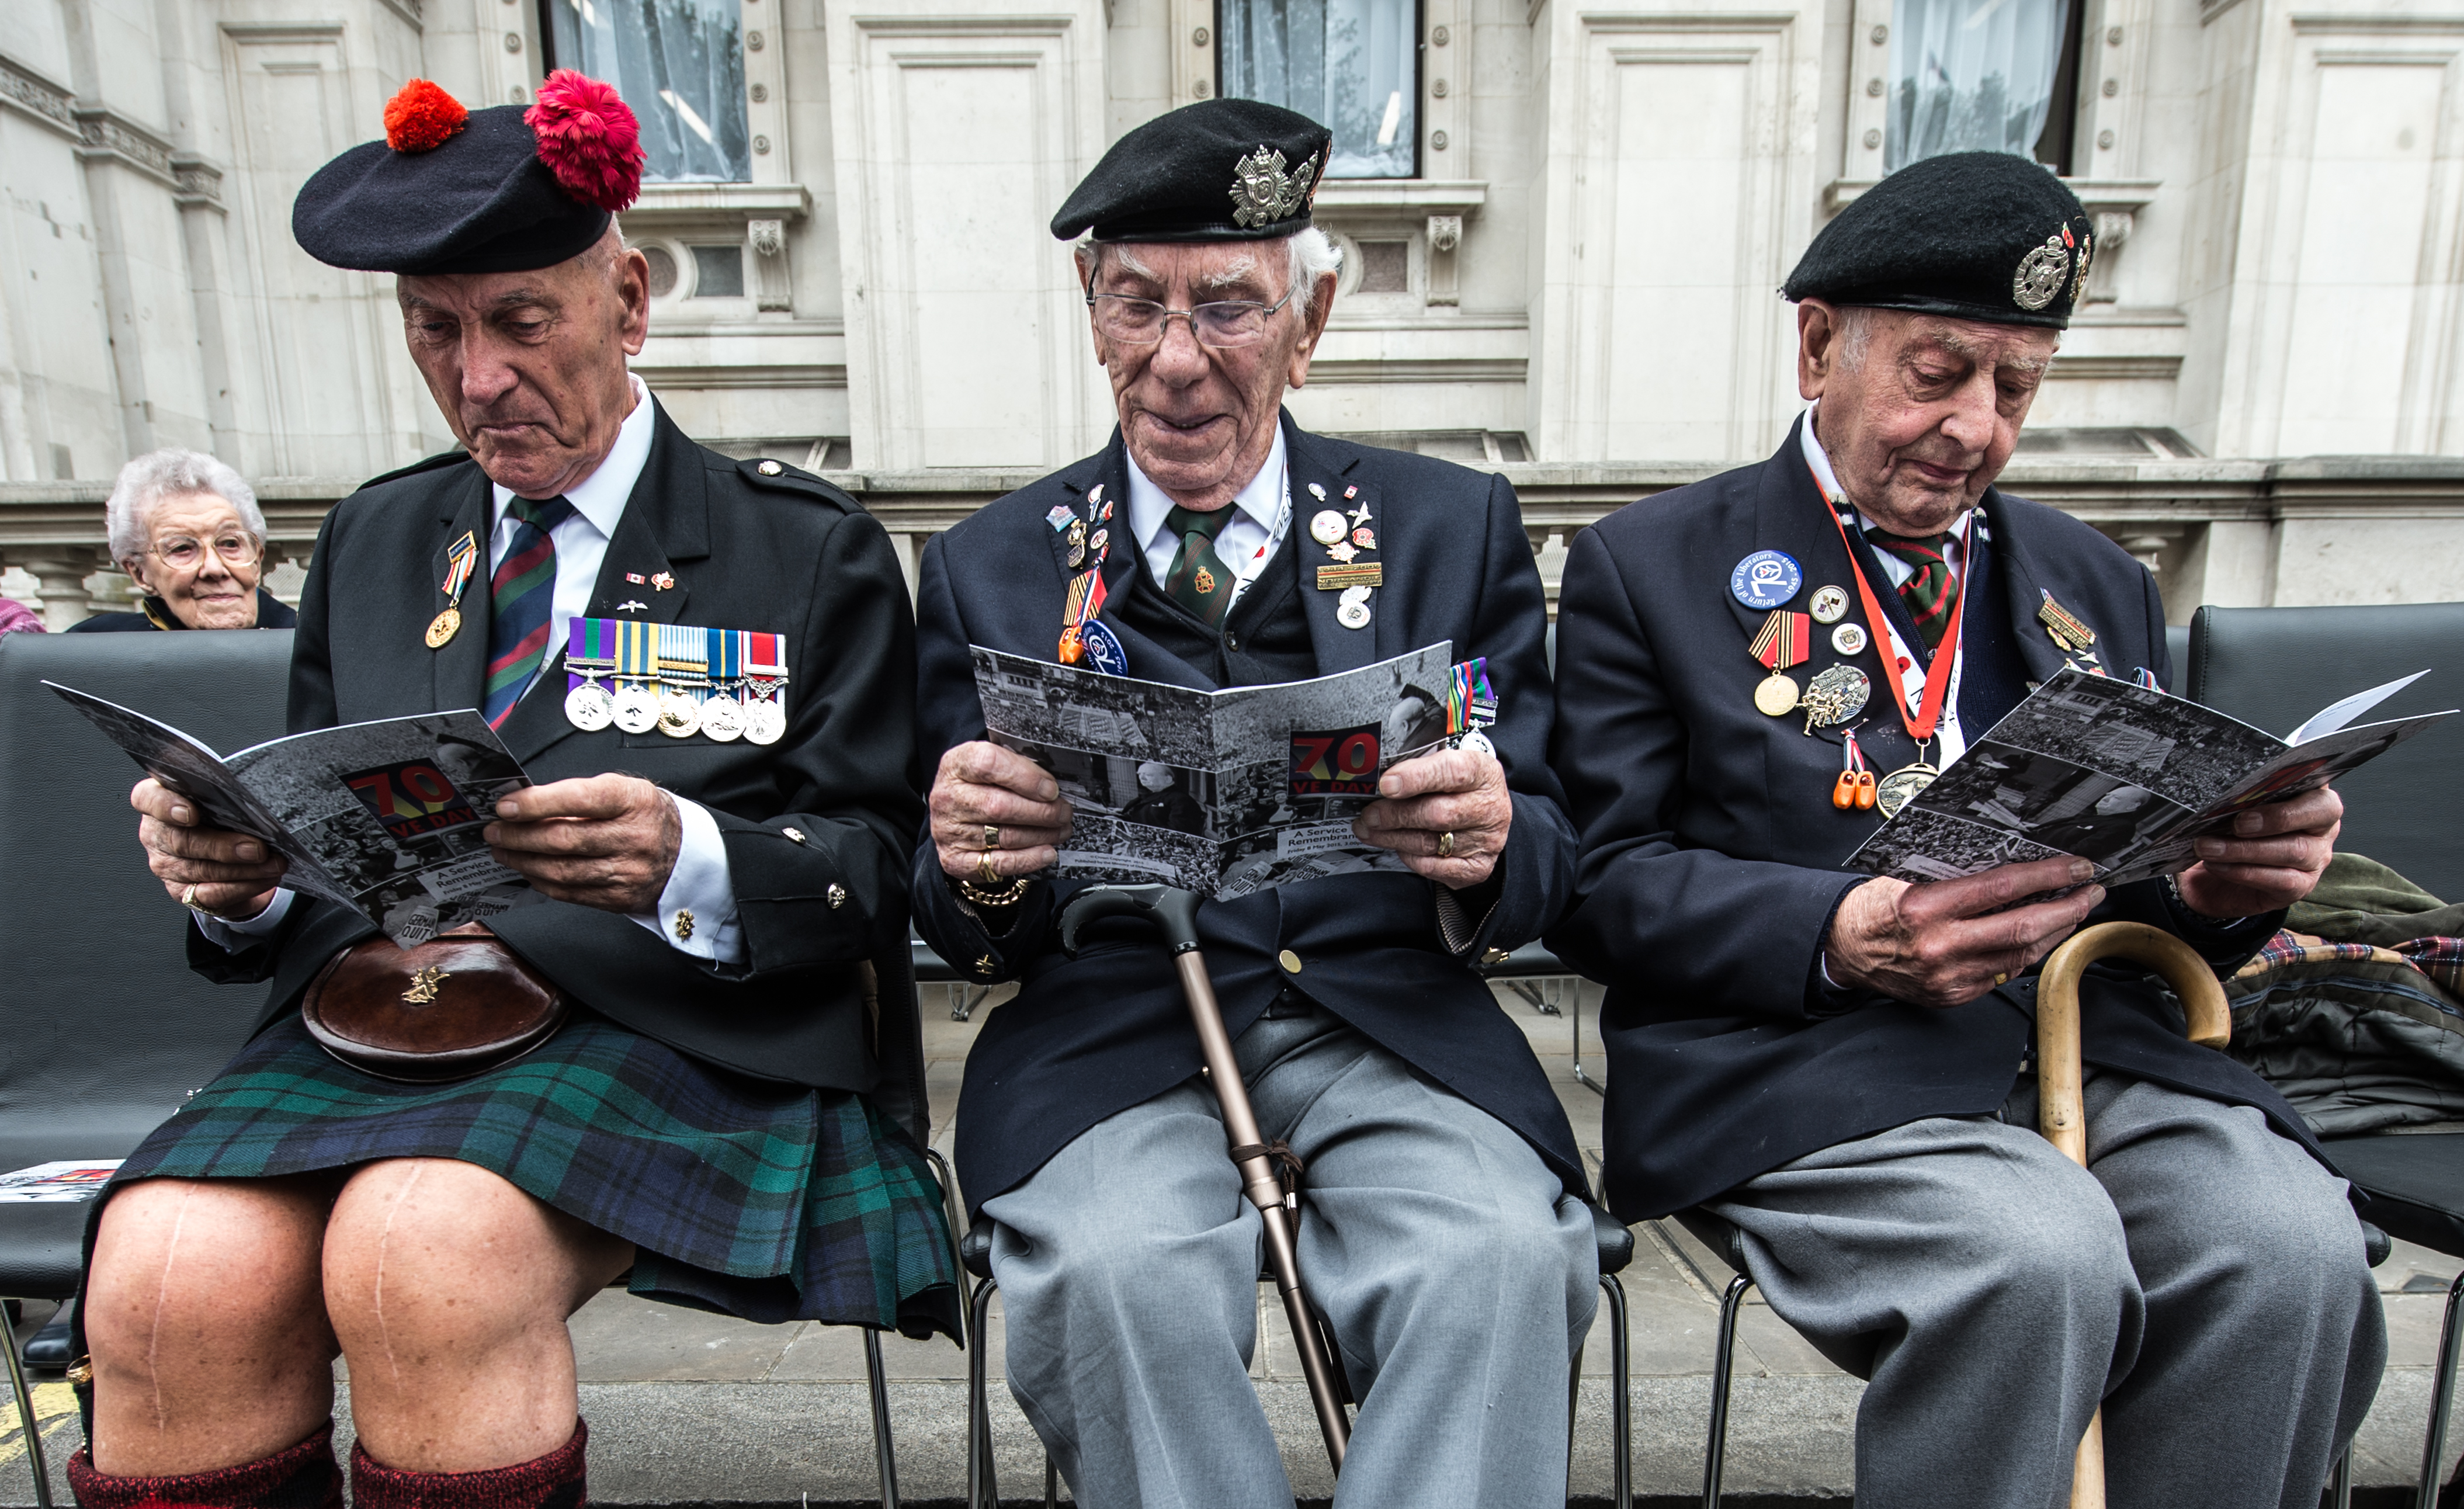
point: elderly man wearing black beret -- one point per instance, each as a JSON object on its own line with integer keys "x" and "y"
{"x": 1442, "y": 1231}
{"x": 699, "y": 1119}
{"x": 1837, "y": 1063}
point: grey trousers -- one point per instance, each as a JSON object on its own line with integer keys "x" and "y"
{"x": 1457, "y": 1280}
{"x": 2203, "y": 1278}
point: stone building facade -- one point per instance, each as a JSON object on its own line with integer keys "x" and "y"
{"x": 1561, "y": 248}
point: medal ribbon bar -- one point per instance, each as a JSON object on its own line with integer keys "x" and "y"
{"x": 1785, "y": 639}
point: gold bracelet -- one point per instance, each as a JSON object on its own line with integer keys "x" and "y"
{"x": 1008, "y": 895}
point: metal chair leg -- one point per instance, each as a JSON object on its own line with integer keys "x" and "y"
{"x": 1576, "y": 1015}
{"x": 2340, "y": 1482}
{"x": 1621, "y": 1396}
{"x": 1715, "y": 1450}
{"x": 2442, "y": 1396}
{"x": 35, "y": 1428}
{"x": 1051, "y": 1483}
{"x": 884, "y": 1454}
{"x": 983, "y": 1491}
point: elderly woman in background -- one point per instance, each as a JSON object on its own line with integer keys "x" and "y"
{"x": 186, "y": 530}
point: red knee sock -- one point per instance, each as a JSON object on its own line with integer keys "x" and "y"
{"x": 554, "y": 1481}
{"x": 301, "y": 1477}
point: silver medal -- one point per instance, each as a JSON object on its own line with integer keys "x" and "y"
{"x": 765, "y": 722}
{"x": 590, "y": 707}
{"x": 1352, "y": 615}
{"x": 637, "y": 708}
{"x": 722, "y": 717}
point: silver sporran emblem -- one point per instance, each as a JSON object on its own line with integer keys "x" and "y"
{"x": 1263, "y": 193}
{"x": 2040, "y": 275}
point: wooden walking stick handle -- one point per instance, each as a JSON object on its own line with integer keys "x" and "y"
{"x": 1175, "y": 912}
{"x": 2062, "y": 1111}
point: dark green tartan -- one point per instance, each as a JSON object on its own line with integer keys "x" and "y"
{"x": 768, "y": 1201}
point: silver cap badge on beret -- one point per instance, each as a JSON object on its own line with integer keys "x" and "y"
{"x": 1263, "y": 193}
{"x": 2079, "y": 287}
{"x": 2040, "y": 275}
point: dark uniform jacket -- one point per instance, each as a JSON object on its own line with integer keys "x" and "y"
{"x": 1091, "y": 1037}
{"x": 1712, "y": 857}
{"x": 788, "y": 554}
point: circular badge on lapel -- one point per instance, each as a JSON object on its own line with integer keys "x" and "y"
{"x": 1765, "y": 580}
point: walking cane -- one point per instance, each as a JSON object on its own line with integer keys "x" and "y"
{"x": 2061, "y": 1114}
{"x": 1176, "y": 913}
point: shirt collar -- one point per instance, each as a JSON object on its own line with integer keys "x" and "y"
{"x": 1262, "y": 500}
{"x": 1828, "y": 480}
{"x": 600, "y": 496}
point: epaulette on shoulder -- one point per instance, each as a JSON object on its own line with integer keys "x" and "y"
{"x": 778, "y": 476}
{"x": 442, "y": 458}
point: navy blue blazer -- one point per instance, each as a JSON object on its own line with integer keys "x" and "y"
{"x": 1091, "y": 1037}
{"x": 1712, "y": 857}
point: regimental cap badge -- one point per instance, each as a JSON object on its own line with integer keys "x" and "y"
{"x": 1263, "y": 192}
{"x": 2041, "y": 272}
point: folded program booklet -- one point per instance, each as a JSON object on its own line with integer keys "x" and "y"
{"x": 381, "y": 817}
{"x": 1224, "y": 792}
{"x": 2118, "y": 774}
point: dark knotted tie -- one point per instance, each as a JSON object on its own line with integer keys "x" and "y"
{"x": 1199, "y": 579}
{"x": 1932, "y": 591}
{"x": 520, "y": 596}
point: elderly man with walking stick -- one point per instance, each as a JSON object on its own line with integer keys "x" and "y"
{"x": 1441, "y": 1233}
{"x": 1839, "y": 1065}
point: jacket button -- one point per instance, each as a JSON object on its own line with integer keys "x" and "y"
{"x": 1231, "y": 641}
{"x": 1290, "y": 961}
{"x": 984, "y": 964}
{"x": 838, "y": 896}
{"x": 769, "y": 469}
{"x": 795, "y": 833}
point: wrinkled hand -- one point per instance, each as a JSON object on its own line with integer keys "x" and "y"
{"x": 2271, "y": 859}
{"x": 235, "y": 875}
{"x": 982, "y": 783}
{"x": 607, "y": 841}
{"x": 1932, "y": 945}
{"x": 1458, "y": 792}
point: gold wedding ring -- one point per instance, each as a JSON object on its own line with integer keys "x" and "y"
{"x": 189, "y": 898}
{"x": 1446, "y": 845}
{"x": 984, "y": 871}
{"x": 992, "y": 836}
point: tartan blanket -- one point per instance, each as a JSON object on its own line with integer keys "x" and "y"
{"x": 2360, "y": 1037}
{"x": 772, "y": 1201}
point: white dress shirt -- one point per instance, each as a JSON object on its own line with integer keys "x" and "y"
{"x": 1262, "y": 513}
{"x": 699, "y": 882}
{"x": 1950, "y": 738}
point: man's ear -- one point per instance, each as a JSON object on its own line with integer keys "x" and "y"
{"x": 1817, "y": 346}
{"x": 1312, "y": 327}
{"x": 633, "y": 291}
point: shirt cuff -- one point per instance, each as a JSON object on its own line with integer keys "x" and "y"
{"x": 239, "y": 935}
{"x": 696, "y": 912}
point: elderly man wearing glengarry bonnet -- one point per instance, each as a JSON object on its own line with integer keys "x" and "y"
{"x": 1442, "y": 1231}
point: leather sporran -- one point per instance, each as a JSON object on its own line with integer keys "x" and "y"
{"x": 455, "y": 1005}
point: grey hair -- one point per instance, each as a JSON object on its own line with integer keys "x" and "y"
{"x": 1313, "y": 256}
{"x": 157, "y": 474}
{"x": 1855, "y": 335}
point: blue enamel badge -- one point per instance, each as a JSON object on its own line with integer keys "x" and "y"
{"x": 1765, "y": 580}
{"x": 1104, "y": 652}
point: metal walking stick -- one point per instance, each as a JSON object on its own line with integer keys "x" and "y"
{"x": 1176, "y": 913}
{"x": 2061, "y": 1113}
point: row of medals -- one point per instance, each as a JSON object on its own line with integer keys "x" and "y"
{"x": 1839, "y": 693}
{"x": 637, "y": 709}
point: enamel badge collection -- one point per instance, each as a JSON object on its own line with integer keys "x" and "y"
{"x": 1471, "y": 705}
{"x": 1085, "y": 640}
{"x": 726, "y": 683}
{"x": 1347, "y": 537}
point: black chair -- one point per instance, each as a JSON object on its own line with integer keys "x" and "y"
{"x": 2416, "y": 1189}
{"x": 95, "y": 1058}
{"x": 2273, "y": 667}
{"x": 1543, "y": 979}
{"x": 1616, "y": 1251}
{"x": 1728, "y": 1244}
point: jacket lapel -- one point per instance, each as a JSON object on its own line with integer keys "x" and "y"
{"x": 2023, "y": 592}
{"x": 1319, "y": 477}
{"x": 666, "y": 525}
{"x": 458, "y": 671}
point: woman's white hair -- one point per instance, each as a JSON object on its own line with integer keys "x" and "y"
{"x": 1313, "y": 256}
{"x": 157, "y": 474}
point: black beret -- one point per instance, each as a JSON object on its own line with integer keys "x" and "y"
{"x": 451, "y": 191}
{"x": 1974, "y": 236}
{"x": 1219, "y": 170}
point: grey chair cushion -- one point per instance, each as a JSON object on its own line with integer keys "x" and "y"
{"x": 107, "y": 1028}
{"x": 2273, "y": 667}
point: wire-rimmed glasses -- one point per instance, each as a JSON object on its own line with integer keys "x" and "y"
{"x": 1222, "y": 324}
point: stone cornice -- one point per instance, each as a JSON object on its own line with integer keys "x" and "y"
{"x": 106, "y": 133}
{"x": 39, "y": 97}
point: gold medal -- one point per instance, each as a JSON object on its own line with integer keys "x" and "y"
{"x": 443, "y": 628}
{"x": 1901, "y": 786}
{"x": 1775, "y": 695}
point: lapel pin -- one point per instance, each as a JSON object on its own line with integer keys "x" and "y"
{"x": 663, "y": 581}
{"x": 1361, "y": 514}
{"x": 1317, "y": 492}
{"x": 630, "y": 606}
{"x": 1059, "y": 516}
{"x": 635, "y": 577}
{"x": 1326, "y": 527}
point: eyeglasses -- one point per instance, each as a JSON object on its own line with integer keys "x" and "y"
{"x": 182, "y": 554}
{"x": 1223, "y": 326}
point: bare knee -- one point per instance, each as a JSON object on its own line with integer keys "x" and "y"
{"x": 430, "y": 1254}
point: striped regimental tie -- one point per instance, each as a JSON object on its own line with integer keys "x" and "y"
{"x": 1932, "y": 591}
{"x": 1199, "y": 579}
{"x": 521, "y": 592}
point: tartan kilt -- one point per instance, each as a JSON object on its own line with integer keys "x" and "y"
{"x": 772, "y": 1201}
